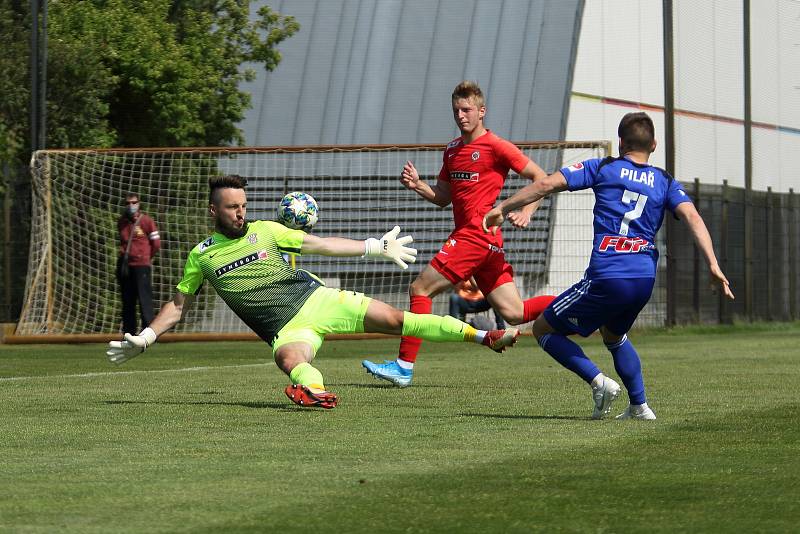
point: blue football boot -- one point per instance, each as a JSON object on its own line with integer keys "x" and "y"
{"x": 390, "y": 371}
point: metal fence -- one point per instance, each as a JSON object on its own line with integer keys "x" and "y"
{"x": 762, "y": 266}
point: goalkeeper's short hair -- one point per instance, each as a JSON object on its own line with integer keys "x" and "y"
{"x": 232, "y": 181}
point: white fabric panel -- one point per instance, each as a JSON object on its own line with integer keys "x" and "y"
{"x": 708, "y": 56}
{"x": 765, "y": 65}
{"x": 620, "y": 53}
{"x": 710, "y": 150}
{"x": 775, "y": 160}
{"x": 775, "y": 62}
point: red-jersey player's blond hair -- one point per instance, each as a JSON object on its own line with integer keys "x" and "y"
{"x": 469, "y": 90}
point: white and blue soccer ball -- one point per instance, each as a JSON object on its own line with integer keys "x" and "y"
{"x": 299, "y": 211}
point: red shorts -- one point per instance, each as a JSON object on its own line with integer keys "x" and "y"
{"x": 467, "y": 252}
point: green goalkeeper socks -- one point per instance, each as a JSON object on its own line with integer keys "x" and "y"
{"x": 307, "y": 375}
{"x": 436, "y": 328}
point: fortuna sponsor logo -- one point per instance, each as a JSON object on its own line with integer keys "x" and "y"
{"x": 260, "y": 255}
{"x": 464, "y": 176}
{"x": 494, "y": 248}
{"x": 575, "y": 166}
{"x": 619, "y": 243}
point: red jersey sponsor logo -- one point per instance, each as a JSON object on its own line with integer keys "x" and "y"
{"x": 464, "y": 176}
{"x": 618, "y": 243}
{"x": 476, "y": 155}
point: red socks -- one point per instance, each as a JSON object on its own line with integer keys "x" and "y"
{"x": 409, "y": 346}
{"x": 533, "y": 307}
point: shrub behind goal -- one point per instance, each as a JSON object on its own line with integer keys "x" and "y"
{"x": 78, "y": 195}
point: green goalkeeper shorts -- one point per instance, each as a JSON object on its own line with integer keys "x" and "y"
{"x": 327, "y": 311}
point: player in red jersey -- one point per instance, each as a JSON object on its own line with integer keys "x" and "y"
{"x": 474, "y": 168}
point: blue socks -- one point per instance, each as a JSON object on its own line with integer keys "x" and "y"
{"x": 629, "y": 369}
{"x": 570, "y": 355}
{"x": 626, "y": 362}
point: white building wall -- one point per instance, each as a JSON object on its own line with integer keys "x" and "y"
{"x": 619, "y": 69}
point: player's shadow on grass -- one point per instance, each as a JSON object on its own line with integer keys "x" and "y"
{"x": 257, "y": 405}
{"x": 533, "y": 417}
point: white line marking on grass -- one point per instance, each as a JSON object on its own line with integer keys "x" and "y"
{"x": 117, "y": 373}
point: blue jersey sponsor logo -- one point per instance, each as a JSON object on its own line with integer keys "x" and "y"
{"x": 625, "y": 245}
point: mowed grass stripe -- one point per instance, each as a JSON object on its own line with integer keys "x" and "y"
{"x": 481, "y": 442}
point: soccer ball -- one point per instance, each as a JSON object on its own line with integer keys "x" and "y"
{"x": 299, "y": 211}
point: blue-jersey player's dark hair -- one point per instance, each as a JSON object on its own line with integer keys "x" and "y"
{"x": 637, "y": 132}
{"x": 233, "y": 181}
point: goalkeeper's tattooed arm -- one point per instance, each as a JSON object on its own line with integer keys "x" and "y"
{"x": 132, "y": 345}
{"x": 389, "y": 246}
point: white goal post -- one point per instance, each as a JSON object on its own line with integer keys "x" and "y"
{"x": 78, "y": 196}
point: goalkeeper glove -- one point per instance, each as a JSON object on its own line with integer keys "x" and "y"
{"x": 389, "y": 246}
{"x": 121, "y": 351}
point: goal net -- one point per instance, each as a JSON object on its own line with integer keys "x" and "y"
{"x": 78, "y": 196}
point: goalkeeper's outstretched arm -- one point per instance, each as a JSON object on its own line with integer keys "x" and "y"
{"x": 390, "y": 246}
{"x": 131, "y": 346}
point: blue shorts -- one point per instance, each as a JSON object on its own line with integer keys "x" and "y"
{"x": 613, "y": 302}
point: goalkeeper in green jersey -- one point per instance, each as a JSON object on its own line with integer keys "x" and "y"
{"x": 291, "y": 309}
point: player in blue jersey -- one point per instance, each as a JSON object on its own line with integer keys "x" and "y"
{"x": 631, "y": 197}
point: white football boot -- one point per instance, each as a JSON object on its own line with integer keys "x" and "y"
{"x": 603, "y": 395}
{"x": 642, "y": 411}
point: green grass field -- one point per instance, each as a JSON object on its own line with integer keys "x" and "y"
{"x": 200, "y": 438}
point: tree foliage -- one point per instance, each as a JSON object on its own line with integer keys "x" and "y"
{"x": 136, "y": 72}
{"x": 125, "y": 73}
